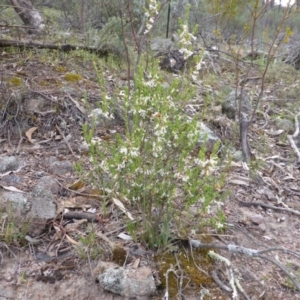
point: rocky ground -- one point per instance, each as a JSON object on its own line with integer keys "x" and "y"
{"x": 65, "y": 245}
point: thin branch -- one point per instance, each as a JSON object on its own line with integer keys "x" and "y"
{"x": 295, "y": 212}
{"x": 291, "y": 137}
{"x": 252, "y": 253}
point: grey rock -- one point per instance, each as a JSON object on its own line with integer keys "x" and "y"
{"x": 11, "y": 179}
{"x": 43, "y": 209}
{"x": 113, "y": 280}
{"x": 18, "y": 201}
{"x": 61, "y": 167}
{"x": 285, "y": 124}
{"x": 161, "y": 45}
{"x": 43, "y": 202}
{"x": 238, "y": 156}
{"x": 230, "y": 107}
{"x": 10, "y": 164}
{"x": 207, "y": 137}
{"x": 131, "y": 283}
{"x": 34, "y": 209}
{"x": 49, "y": 183}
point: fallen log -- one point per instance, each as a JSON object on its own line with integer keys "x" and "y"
{"x": 103, "y": 51}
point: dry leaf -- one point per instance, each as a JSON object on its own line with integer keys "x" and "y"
{"x": 71, "y": 240}
{"x": 29, "y": 133}
{"x": 124, "y": 236}
{"x": 122, "y": 207}
{"x": 70, "y": 204}
{"x": 136, "y": 263}
{"x": 12, "y": 189}
{"x": 76, "y": 185}
{"x": 81, "y": 108}
{"x": 274, "y": 132}
{"x": 239, "y": 182}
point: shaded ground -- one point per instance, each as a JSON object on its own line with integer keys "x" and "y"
{"x": 36, "y": 91}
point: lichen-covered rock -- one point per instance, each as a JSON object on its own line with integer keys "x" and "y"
{"x": 230, "y": 106}
{"x": 207, "y": 138}
{"x": 173, "y": 62}
{"x": 10, "y": 164}
{"x": 285, "y": 124}
{"x": 128, "y": 282}
{"x": 161, "y": 46}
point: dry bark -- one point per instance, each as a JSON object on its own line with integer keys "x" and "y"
{"x": 29, "y": 15}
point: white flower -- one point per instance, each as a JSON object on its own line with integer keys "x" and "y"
{"x": 123, "y": 150}
{"x": 191, "y": 135}
{"x": 121, "y": 166}
{"x": 149, "y": 171}
{"x": 150, "y": 15}
{"x": 184, "y": 29}
{"x": 186, "y": 53}
{"x": 185, "y": 178}
{"x": 142, "y": 113}
{"x": 151, "y": 83}
{"x": 108, "y": 115}
{"x": 219, "y": 225}
{"x": 104, "y": 166}
{"x": 199, "y": 65}
{"x": 134, "y": 152}
{"x": 194, "y": 77}
{"x": 161, "y": 131}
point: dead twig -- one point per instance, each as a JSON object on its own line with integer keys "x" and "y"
{"x": 171, "y": 269}
{"x": 192, "y": 254}
{"x": 291, "y": 137}
{"x": 232, "y": 279}
{"x": 180, "y": 277}
{"x": 81, "y": 215}
{"x": 79, "y": 193}
{"x": 45, "y": 96}
{"x": 65, "y": 140}
{"x": 292, "y": 211}
{"x": 252, "y": 253}
{"x": 220, "y": 283}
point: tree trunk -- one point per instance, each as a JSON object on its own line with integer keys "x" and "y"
{"x": 244, "y": 125}
{"x": 29, "y": 15}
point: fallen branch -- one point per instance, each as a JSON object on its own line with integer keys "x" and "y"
{"x": 81, "y": 215}
{"x": 218, "y": 281}
{"x": 65, "y": 140}
{"x": 261, "y": 204}
{"x": 253, "y": 253}
{"x": 104, "y": 51}
{"x": 291, "y": 137}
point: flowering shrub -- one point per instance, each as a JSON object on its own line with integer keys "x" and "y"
{"x": 151, "y": 14}
{"x": 154, "y": 165}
